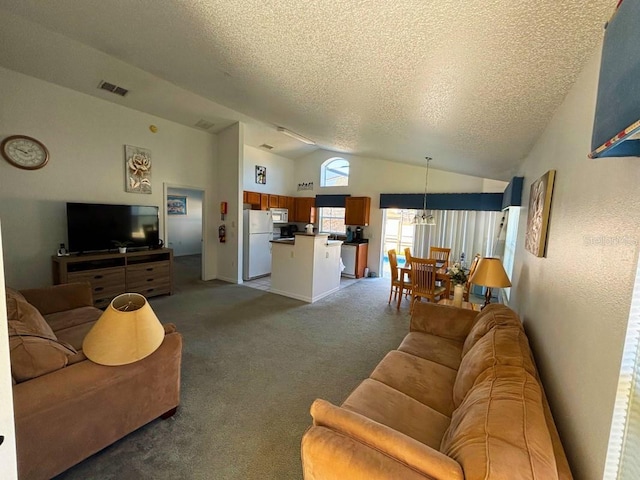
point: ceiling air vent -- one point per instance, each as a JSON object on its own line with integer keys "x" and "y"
{"x": 266, "y": 146}
{"x": 110, "y": 87}
{"x": 204, "y": 124}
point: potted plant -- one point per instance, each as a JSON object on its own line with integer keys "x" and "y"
{"x": 458, "y": 278}
{"x": 122, "y": 246}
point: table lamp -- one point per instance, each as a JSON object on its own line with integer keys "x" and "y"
{"x": 127, "y": 331}
{"x": 490, "y": 274}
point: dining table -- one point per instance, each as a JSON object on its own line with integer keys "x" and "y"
{"x": 441, "y": 275}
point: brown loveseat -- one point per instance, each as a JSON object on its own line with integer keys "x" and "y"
{"x": 67, "y": 407}
{"x": 459, "y": 399}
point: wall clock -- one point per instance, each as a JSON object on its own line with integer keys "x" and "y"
{"x": 24, "y": 152}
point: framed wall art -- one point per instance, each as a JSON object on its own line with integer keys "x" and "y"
{"x": 137, "y": 164}
{"x": 539, "y": 210}
{"x": 176, "y": 205}
{"x": 261, "y": 175}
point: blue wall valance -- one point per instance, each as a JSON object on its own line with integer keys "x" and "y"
{"x": 487, "y": 202}
{"x": 331, "y": 200}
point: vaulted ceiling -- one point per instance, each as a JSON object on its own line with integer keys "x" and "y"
{"x": 471, "y": 84}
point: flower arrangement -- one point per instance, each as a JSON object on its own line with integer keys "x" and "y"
{"x": 457, "y": 274}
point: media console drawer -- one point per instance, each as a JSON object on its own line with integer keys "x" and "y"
{"x": 110, "y": 274}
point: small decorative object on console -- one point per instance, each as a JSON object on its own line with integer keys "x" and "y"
{"x": 62, "y": 251}
{"x": 122, "y": 246}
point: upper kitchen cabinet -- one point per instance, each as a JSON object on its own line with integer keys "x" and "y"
{"x": 252, "y": 197}
{"x": 274, "y": 201}
{"x": 305, "y": 210}
{"x": 357, "y": 211}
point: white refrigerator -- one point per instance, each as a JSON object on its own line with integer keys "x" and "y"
{"x": 258, "y": 232}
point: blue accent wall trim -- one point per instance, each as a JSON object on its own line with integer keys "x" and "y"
{"x": 331, "y": 200}
{"x": 487, "y": 202}
{"x": 512, "y": 196}
{"x": 618, "y": 101}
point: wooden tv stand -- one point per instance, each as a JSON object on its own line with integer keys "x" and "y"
{"x": 147, "y": 272}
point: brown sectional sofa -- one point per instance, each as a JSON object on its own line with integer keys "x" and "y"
{"x": 459, "y": 399}
{"x": 67, "y": 407}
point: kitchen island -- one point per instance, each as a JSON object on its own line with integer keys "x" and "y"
{"x": 306, "y": 267}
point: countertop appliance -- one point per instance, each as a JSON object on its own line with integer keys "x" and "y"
{"x": 258, "y": 232}
{"x": 279, "y": 215}
{"x": 357, "y": 236}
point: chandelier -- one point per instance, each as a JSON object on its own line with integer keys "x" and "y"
{"x": 423, "y": 218}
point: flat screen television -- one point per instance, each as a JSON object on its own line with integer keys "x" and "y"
{"x": 95, "y": 227}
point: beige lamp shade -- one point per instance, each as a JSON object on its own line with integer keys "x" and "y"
{"x": 127, "y": 331}
{"x": 490, "y": 273}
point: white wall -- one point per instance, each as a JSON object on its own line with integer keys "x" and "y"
{"x": 85, "y": 137}
{"x": 185, "y": 231}
{"x": 575, "y": 302}
{"x": 8, "y": 464}
{"x": 370, "y": 177}
{"x": 230, "y": 168}
{"x": 279, "y": 172}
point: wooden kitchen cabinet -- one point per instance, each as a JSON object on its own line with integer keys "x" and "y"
{"x": 305, "y": 210}
{"x": 264, "y": 201}
{"x": 274, "y": 201}
{"x": 251, "y": 197}
{"x": 357, "y": 211}
{"x": 283, "y": 202}
{"x": 361, "y": 259}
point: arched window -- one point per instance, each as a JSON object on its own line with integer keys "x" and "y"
{"x": 334, "y": 173}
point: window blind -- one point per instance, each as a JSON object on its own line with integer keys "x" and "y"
{"x": 623, "y": 461}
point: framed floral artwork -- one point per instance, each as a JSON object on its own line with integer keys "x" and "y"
{"x": 261, "y": 175}
{"x": 137, "y": 164}
{"x": 539, "y": 210}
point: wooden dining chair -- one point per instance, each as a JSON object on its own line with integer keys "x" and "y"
{"x": 423, "y": 280}
{"x": 441, "y": 255}
{"x": 396, "y": 280}
{"x": 472, "y": 269}
{"x": 407, "y": 256}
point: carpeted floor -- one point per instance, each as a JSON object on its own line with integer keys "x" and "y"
{"x": 253, "y": 362}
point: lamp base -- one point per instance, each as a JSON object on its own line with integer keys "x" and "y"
{"x": 487, "y": 297}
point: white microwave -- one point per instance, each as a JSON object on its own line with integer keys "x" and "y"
{"x": 280, "y": 215}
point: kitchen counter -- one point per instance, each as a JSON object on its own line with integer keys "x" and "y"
{"x": 306, "y": 267}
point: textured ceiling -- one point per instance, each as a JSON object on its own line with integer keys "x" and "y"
{"x": 472, "y": 83}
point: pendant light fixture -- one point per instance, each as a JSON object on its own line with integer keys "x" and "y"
{"x": 423, "y": 218}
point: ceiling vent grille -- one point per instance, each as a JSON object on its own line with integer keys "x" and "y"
{"x": 110, "y": 87}
{"x": 204, "y": 124}
{"x": 266, "y": 146}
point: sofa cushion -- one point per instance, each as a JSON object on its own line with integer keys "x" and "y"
{"x": 501, "y": 346}
{"x": 72, "y": 318}
{"x": 432, "y": 347}
{"x": 13, "y": 296}
{"x": 428, "y": 382}
{"x": 74, "y": 336}
{"x": 493, "y": 315}
{"x": 392, "y": 408}
{"x": 500, "y": 429}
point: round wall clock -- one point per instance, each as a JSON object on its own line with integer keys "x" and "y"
{"x": 24, "y": 152}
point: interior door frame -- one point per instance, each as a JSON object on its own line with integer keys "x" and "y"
{"x": 165, "y": 223}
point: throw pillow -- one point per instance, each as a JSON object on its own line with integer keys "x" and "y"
{"x": 33, "y": 356}
{"x": 493, "y": 315}
{"x": 34, "y": 348}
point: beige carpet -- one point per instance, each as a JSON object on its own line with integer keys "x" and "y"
{"x": 252, "y": 364}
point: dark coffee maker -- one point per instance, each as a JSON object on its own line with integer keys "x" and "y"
{"x": 358, "y": 234}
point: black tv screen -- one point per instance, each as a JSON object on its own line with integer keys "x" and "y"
{"x": 95, "y": 227}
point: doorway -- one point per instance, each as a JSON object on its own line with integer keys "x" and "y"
{"x": 184, "y": 232}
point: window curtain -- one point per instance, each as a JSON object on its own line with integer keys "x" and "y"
{"x": 465, "y": 231}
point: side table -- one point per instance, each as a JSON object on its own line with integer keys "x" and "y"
{"x": 466, "y": 305}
